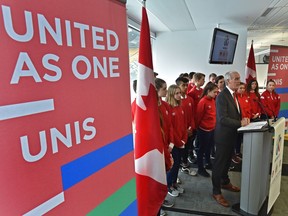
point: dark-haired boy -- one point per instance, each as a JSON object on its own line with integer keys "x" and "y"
{"x": 188, "y": 107}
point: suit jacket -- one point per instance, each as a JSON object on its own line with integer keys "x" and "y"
{"x": 228, "y": 118}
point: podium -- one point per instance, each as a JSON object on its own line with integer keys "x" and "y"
{"x": 259, "y": 191}
{"x": 257, "y": 147}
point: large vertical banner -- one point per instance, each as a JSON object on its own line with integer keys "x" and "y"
{"x": 278, "y": 71}
{"x": 65, "y": 119}
{"x": 277, "y": 159}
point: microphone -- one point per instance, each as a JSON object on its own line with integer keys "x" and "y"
{"x": 267, "y": 117}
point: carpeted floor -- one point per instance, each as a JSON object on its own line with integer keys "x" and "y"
{"x": 197, "y": 198}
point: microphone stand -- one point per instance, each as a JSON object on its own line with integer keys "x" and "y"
{"x": 267, "y": 117}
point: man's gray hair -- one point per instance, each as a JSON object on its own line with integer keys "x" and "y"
{"x": 229, "y": 75}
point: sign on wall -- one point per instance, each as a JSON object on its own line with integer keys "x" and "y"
{"x": 65, "y": 120}
{"x": 278, "y": 71}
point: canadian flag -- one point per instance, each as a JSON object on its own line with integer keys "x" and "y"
{"x": 250, "y": 71}
{"x": 150, "y": 171}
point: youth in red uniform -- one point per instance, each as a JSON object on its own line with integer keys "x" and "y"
{"x": 271, "y": 100}
{"x": 253, "y": 96}
{"x": 180, "y": 136}
{"x": 196, "y": 91}
{"x": 205, "y": 122}
{"x": 165, "y": 116}
{"x": 187, "y": 104}
{"x": 243, "y": 101}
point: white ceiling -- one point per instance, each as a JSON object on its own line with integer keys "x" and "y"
{"x": 193, "y": 15}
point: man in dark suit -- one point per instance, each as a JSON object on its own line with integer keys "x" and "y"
{"x": 228, "y": 120}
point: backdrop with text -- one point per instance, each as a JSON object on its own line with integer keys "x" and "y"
{"x": 278, "y": 71}
{"x": 65, "y": 117}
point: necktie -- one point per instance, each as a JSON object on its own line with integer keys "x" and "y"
{"x": 236, "y": 101}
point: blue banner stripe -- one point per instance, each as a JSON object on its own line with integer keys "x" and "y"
{"x": 130, "y": 210}
{"x": 281, "y": 90}
{"x": 283, "y": 113}
{"x": 81, "y": 168}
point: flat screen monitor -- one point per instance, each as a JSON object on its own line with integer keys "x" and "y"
{"x": 223, "y": 47}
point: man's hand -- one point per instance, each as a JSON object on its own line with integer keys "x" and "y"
{"x": 245, "y": 121}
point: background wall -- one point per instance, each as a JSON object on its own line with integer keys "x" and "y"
{"x": 261, "y": 72}
{"x": 186, "y": 51}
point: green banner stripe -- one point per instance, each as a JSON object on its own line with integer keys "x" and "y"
{"x": 117, "y": 202}
{"x": 284, "y": 106}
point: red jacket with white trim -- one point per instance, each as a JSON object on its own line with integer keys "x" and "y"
{"x": 271, "y": 103}
{"x": 206, "y": 114}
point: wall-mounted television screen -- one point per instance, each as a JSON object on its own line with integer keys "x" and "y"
{"x": 223, "y": 47}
